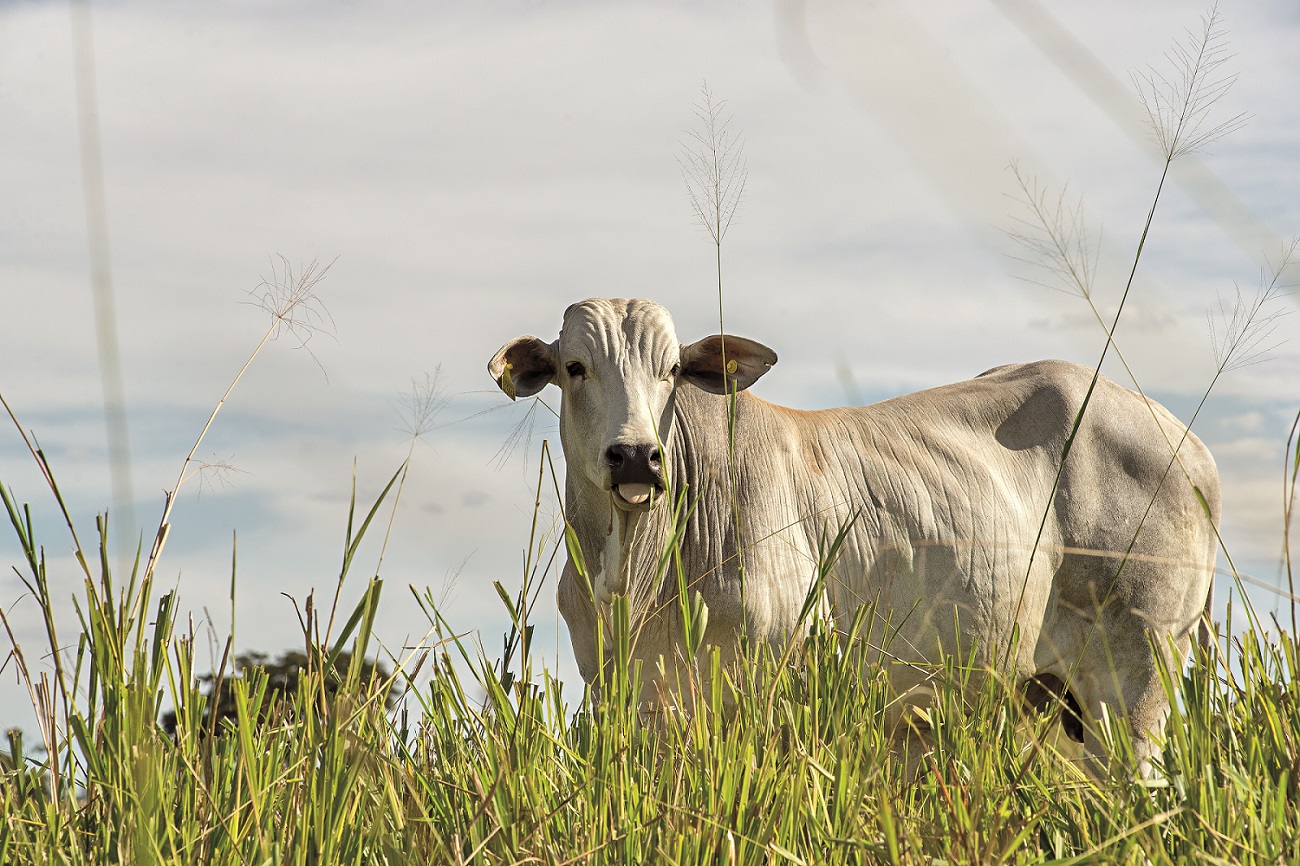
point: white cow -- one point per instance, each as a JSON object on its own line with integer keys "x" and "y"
{"x": 944, "y": 492}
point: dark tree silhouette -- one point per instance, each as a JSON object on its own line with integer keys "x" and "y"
{"x": 283, "y": 676}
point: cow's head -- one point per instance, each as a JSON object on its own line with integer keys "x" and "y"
{"x": 619, "y": 365}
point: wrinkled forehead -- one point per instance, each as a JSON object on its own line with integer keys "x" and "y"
{"x": 618, "y": 329}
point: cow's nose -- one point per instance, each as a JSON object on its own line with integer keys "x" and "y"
{"x": 634, "y": 464}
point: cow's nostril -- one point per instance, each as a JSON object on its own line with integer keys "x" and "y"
{"x": 655, "y": 457}
{"x": 615, "y": 455}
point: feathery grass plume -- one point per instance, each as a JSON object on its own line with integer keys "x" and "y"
{"x": 1178, "y": 103}
{"x": 216, "y": 473}
{"x": 418, "y": 410}
{"x": 1179, "y": 109}
{"x": 295, "y": 309}
{"x": 420, "y": 407}
{"x": 292, "y": 303}
{"x": 713, "y": 167}
{"x": 521, "y": 433}
{"x": 1054, "y": 238}
{"x": 1242, "y": 334}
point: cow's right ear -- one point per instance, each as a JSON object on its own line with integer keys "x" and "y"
{"x": 523, "y": 366}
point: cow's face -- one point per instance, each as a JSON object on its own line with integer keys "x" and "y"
{"x": 619, "y": 364}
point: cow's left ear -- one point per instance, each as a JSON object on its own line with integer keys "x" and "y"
{"x": 746, "y": 361}
{"x": 523, "y": 366}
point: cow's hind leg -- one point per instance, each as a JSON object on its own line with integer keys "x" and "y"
{"x": 1119, "y": 678}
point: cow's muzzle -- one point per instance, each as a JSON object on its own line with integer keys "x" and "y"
{"x": 635, "y": 472}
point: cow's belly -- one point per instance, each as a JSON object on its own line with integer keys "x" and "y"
{"x": 980, "y": 601}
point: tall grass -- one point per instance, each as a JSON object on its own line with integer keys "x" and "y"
{"x": 784, "y": 757}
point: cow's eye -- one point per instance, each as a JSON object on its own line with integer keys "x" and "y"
{"x": 576, "y": 370}
{"x": 677, "y": 368}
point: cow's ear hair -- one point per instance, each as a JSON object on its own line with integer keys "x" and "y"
{"x": 746, "y": 361}
{"x": 523, "y": 366}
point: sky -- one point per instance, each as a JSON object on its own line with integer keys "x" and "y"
{"x": 467, "y": 170}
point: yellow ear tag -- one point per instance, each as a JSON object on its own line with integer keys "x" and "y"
{"x": 508, "y": 381}
{"x": 731, "y": 366}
